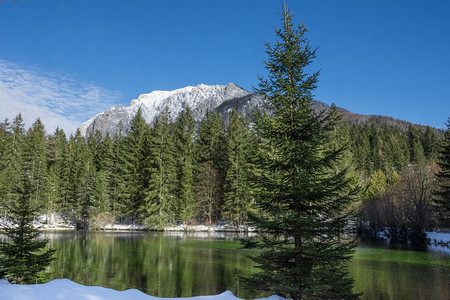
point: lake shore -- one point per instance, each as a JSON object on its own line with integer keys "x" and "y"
{"x": 58, "y": 224}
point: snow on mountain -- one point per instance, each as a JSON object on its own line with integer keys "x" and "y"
{"x": 199, "y": 98}
{"x": 221, "y": 98}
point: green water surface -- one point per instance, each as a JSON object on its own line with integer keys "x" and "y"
{"x": 185, "y": 265}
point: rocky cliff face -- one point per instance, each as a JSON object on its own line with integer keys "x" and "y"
{"x": 199, "y": 98}
{"x": 221, "y": 98}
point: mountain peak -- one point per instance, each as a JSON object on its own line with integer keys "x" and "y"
{"x": 199, "y": 98}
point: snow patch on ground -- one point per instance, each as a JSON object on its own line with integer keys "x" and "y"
{"x": 68, "y": 290}
{"x": 124, "y": 227}
{"x": 211, "y": 228}
{"x": 56, "y": 222}
{"x": 438, "y": 236}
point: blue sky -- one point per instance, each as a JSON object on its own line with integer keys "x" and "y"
{"x": 66, "y": 61}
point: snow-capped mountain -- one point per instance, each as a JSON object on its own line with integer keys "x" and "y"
{"x": 201, "y": 98}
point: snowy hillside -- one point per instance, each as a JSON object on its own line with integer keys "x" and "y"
{"x": 69, "y": 290}
{"x": 199, "y": 98}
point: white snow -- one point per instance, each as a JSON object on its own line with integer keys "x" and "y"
{"x": 211, "y": 228}
{"x": 199, "y": 98}
{"x": 154, "y": 103}
{"x": 123, "y": 227}
{"x": 64, "y": 289}
{"x": 438, "y": 236}
{"x": 54, "y": 221}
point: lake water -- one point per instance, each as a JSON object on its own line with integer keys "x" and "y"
{"x": 184, "y": 265}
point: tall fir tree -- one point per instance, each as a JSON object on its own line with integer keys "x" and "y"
{"x": 184, "y": 131}
{"x": 135, "y": 178}
{"x": 160, "y": 167}
{"x": 118, "y": 173}
{"x": 4, "y": 137}
{"x": 430, "y": 143}
{"x": 104, "y": 192}
{"x": 80, "y": 181}
{"x": 415, "y": 146}
{"x": 209, "y": 148}
{"x": 208, "y": 187}
{"x": 442, "y": 195}
{"x": 35, "y": 165}
{"x": 12, "y": 160}
{"x": 303, "y": 198}
{"x": 58, "y": 168}
{"x": 99, "y": 149}
{"x": 237, "y": 190}
{"x": 5, "y": 144}
{"x": 23, "y": 258}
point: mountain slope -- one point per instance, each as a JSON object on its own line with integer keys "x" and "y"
{"x": 221, "y": 98}
{"x": 199, "y": 98}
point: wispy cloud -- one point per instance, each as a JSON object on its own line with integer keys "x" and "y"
{"x": 59, "y": 100}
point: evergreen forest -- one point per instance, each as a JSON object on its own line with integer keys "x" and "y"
{"x": 175, "y": 171}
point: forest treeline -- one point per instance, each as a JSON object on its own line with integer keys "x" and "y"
{"x": 176, "y": 171}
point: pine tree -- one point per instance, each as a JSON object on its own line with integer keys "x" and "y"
{"x": 210, "y": 162}
{"x": 303, "y": 199}
{"x": 104, "y": 192}
{"x": 35, "y": 165}
{"x": 23, "y": 258}
{"x": 237, "y": 191}
{"x": 4, "y": 137}
{"x": 430, "y": 143}
{"x": 415, "y": 146}
{"x": 5, "y": 144}
{"x": 442, "y": 199}
{"x": 58, "y": 168}
{"x": 160, "y": 166}
{"x": 361, "y": 148}
{"x": 80, "y": 181}
{"x": 184, "y": 130}
{"x": 118, "y": 173}
{"x": 99, "y": 149}
{"x": 135, "y": 178}
{"x": 208, "y": 187}
{"x": 12, "y": 161}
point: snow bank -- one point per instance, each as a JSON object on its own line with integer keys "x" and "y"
{"x": 211, "y": 228}
{"x": 68, "y": 290}
{"x": 443, "y": 237}
{"x": 123, "y": 227}
{"x": 54, "y": 221}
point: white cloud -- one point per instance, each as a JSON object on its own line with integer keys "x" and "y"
{"x": 58, "y": 100}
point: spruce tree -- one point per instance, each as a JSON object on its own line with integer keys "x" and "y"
{"x": 58, "y": 168}
{"x": 135, "y": 179}
{"x": 184, "y": 130}
{"x": 35, "y": 165}
{"x": 99, "y": 149}
{"x": 104, "y": 197}
{"x": 237, "y": 190}
{"x": 303, "y": 199}
{"x": 416, "y": 151}
{"x": 80, "y": 181}
{"x": 12, "y": 161}
{"x": 5, "y": 144}
{"x": 210, "y": 147}
{"x": 118, "y": 173}
{"x": 430, "y": 143}
{"x": 23, "y": 257}
{"x": 442, "y": 199}
{"x": 4, "y": 137}
{"x": 160, "y": 166}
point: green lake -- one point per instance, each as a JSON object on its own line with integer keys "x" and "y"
{"x": 184, "y": 265}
